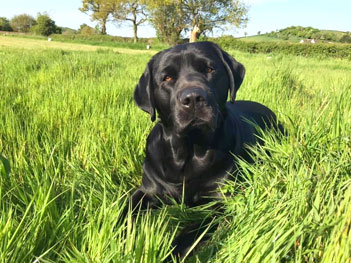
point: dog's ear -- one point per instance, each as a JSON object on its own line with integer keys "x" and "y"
{"x": 143, "y": 93}
{"x": 236, "y": 73}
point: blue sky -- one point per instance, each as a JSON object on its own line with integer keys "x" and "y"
{"x": 264, "y": 15}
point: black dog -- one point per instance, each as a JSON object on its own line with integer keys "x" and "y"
{"x": 189, "y": 152}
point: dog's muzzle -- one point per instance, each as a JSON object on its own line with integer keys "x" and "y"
{"x": 195, "y": 110}
{"x": 192, "y": 99}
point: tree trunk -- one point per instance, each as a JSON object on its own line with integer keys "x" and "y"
{"x": 135, "y": 25}
{"x": 103, "y": 27}
{"x": 135, "y": 29}
{"x": 195, "y": 33}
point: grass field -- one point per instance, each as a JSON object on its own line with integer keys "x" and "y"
{"x": 43, "y": 43}
{"x": 74, "y": 141}
{"x": 261, "y": 38}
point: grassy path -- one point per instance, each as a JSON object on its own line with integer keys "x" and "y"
{"x": 27, "y": 43}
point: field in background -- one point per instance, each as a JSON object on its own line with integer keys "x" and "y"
{"x": 75, "y": 142}
{"x": 263, "y": 44}
{"x": 91, "y": 40}
{"x": 262, "y": 38}
{"x": 43, "y": 43}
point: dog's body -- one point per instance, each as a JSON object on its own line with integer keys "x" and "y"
{"x": 191, "y": 168}
{"x": 191, "y": 150}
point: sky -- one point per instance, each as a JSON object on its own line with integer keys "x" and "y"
{"x": 264, "y": 15}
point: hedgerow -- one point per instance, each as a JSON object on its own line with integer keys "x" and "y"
{"x": 307, "y": 50}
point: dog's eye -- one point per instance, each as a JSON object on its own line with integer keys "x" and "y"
{"x": 209, "y": 70}
{"x": 167, "y": 78}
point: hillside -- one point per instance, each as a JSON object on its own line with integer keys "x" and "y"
{"x": 297, "y": 33}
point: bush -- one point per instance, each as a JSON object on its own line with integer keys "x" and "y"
{"x": 22, "y": 23}
{"x": 45, "y": 26}
{"x": 87, "y": 30}
{"x": 346, "y": 38}
{"x": 68, "y": 31}
{"x": 5, "y": 24}
{"x": 307, "y": 50}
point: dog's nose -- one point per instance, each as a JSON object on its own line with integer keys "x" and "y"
{"x": 192, "y": 97}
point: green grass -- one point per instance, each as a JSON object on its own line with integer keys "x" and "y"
{"x": 295, "y": 34}
{"x": 96, "y": 40}
{"x": 111, "y": 41}
{"x": 260, "y": 38}
{"x": 75, "y": 142}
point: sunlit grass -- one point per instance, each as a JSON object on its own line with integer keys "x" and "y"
{"x": 42, "y": 43}
{"x": 75, "y": 142}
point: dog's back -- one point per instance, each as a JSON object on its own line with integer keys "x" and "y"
{"x": 256, "y": 113}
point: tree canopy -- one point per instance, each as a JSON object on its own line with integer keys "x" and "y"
{"x": 22, "y": 23}
{"x": 201, "y": 16}
{"x": 45, "y": 25}
{"x": 99, "y": 10}
{"x": 133, "y": 11}
{"x": 207, "y": 15}
{"x": 170, "y": 18}
{"x": 120, "y": 10}
{"x": 5, "y": 24}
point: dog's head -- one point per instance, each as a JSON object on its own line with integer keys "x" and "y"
{"x": 188, "y": 86}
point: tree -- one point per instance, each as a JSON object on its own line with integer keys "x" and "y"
{"x": 99, "y": 10}
{"x": 168, "y": 20}
{"x": 5, "y": 24}
{"x": 45, "y": 25}
{"x": 121, "y": 11}
{"x": 205, "y": 15}
{"x": 202, "y": 16}
{"x": 130, "y": 10}
{"x": 22, "y": 23}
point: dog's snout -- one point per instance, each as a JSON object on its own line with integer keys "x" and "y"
{"x": 192, "y": 98}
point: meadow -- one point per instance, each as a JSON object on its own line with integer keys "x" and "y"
{"x": 72, "y": 146}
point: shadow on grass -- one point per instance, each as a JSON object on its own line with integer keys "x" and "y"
{"x": 5, "y": 167}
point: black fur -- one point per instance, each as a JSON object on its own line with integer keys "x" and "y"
{"x": 189, "y": 152}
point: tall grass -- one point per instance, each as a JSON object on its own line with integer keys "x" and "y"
{"x": 75, "y": 142}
